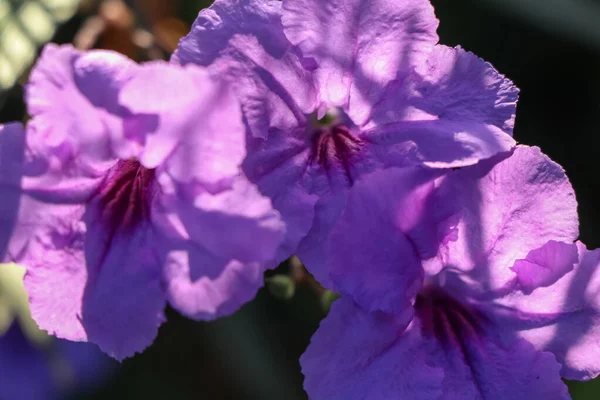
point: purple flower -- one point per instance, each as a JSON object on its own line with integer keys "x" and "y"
{"x": 132, "y": 197}
{"x": 12, "y": 144}
{"x": 333, "y": 90}
{"x": 32, "y": 365}
{"x": 29, "y": 372}
{"x": 466, "y": 285}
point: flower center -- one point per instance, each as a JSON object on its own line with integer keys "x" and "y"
{"x": 333, "y": 144}
{"x": 446, "y": 319}
{"x": 125, "y": 196}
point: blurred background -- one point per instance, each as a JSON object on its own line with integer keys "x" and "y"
{"x": 549, "y": 48}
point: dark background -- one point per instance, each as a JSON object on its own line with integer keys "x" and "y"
{"x": 549, "y": 48}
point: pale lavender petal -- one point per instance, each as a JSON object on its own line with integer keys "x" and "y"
{"x": 455, "y": 111}
{"x": 204, "y": 286}
{"x": 388, "y": 226}
{"x": 563, "y": 318}
{"x": 355, "y": 355}
{"x": 359, "y": 46}
{"x": 55, "y": 305}
{"x": 460, "y": 86}
{"x": 71, "y": 96}
{"x": 508, "y": 207}
{"x": 199, "y": 136}
{"x": 544, "y": 266}
{"x": 453, "y": 85}
{"x": 243, "y": 41}
{"x": 239, "y": 223}
{"x": 437, "y": 143}
{"x": 31, "y": 217}
{"x": 39, "y": 188}
{"x": 222, "y": 244}
{"x": 90, "y": 284}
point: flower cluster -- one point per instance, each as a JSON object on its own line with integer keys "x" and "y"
{"x": 336, "y": 130}
{"x": 127, "y": 193}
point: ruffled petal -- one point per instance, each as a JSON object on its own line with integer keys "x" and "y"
{"x": 508, "y": 206}
{"x": 458, "y": 85}
{"x": 359, "y": 46}
{"x": 33, "y": 187}
{"x": 220, "y": 245}
{"x": 235, "y": 224}
{"x": 91, "y": 284}
{"x": 243, "y": 41}
{"x": 453, "y": 85}
{"x": 563, "y": 318}
{"x": 388, "y": 227}
{"x": 437, "y": 143}
{"x": 41, "y": 188}
{"x": 198, "y": 135}
{"x": 355, "y": 355}
{"x": 456, "y": 110}
{"x": 72, "y": 98}
{"x": 75, "y": 126}
{"x": 544, "y": 266}
{"x": 204, "y": 286}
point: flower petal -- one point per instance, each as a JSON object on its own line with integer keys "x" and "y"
{"x": 359, "y": 46}
{"x": 236, "y": 224}
{"x": 356, "y": 355}
{"x": 477, "y": 363}
{"x": 12, "y": 155}
{"x": 388, "y": 226}
{"x": 204, "y": 286}
{"x": 72, "y": 136}
{"x": 453, "y": 85}
{"x": 486, "y": 370}
{"x": 243, "y": 41}
{"x": 563, "y": 318}
{"x": 455, "y": 111}
{"x": 94, "y": 285}
{"x": 277, "y": 167}
{"x": 437, "y": 143}
{"x": 544, "y": 266}
{"x": 198, "y": 133}
{"x": 219, "y": 245}
{"x": 509, "y": 206}
{"x": 313, "y": 249}
{"x": 33, "y": 186}
{"x": 72, "y": 96}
